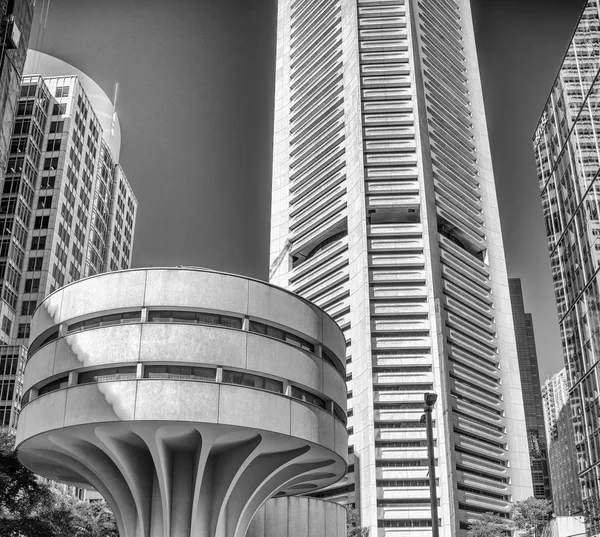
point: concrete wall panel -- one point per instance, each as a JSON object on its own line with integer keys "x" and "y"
{"x": 334, "y": 386}
{"x": 281, "y": 359}
{"x": 105, "y": 401}
{"x": 42, "y": 415}
{"x": 40, "y": 366}
{"x": 193, "y": 343}
{"x": 47, "y": 314}
{"x": 195, "y": 289}
{"x": 247, "y": 407}
{"x": 333, "y": 338}
{"x": 90, "y": 295}
{"x": 276, "y": 305}
{"x": 188, "y": 401}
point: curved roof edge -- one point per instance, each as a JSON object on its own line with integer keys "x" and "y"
{"x": 40, "y": 63}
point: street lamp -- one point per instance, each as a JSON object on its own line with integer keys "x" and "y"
{"x": 430, "y": 399}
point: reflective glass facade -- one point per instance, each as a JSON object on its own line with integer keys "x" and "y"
{"x": 567, "y": 150}
{"x": 384, "y": 213}
{"x": 532, "y": 392}
{"x": 562, "y": 456}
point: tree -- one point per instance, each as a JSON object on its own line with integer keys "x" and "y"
{"x": 353, "y": 527}
{"x": 488, "y": 525}
{"x": 99, "y": 519}
{"x": 532, "y": 515}
{"x": 31, "y": 508}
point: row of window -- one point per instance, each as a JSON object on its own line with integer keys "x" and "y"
{"x": 405, "y": 482}
{"x": 405, "y": 523}
{"x": 185, "y": 316}
{"x": 184, "y": 372}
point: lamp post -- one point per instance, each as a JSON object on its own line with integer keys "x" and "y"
{"x": 430, "y": 399}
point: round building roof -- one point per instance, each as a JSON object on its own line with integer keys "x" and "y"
{"x": 39, "y": 63}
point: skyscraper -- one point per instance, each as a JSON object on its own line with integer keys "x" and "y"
{"x": 567, "y": 152}
{"x": 15, "y": 26}
{"x": 67, "y": 210}
{"x": 532, "y": 392}
{"x": 562, "y": 456}
{"x": 384, "y": 213}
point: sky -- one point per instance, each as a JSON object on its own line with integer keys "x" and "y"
{"x": 196, "y": 83}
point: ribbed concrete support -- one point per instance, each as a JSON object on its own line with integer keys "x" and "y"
{"x": 177, "y": 479}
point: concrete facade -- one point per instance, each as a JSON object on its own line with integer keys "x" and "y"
{"x": 384, "y": 213}
{"x": 186, "y": 397}
{"x": 567, "y": 153}
{"x": 298, "y": 517}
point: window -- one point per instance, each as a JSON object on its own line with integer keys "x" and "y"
{"x": 61, "y": 255}
{"x": 45, "y": 337}
{"x": 57, "y": 126}
{"x": 74, "y": 272}
{"x": 32, "y": 285}
{"x": 28, "y": 90}
{"x": 179, "y": 372}
{"x": 63, "y": 233}
{"x": 6, "y": 325}
{"x": 307, "y": 397}
{"x": 161, "y": 316}
{"x": 277, "y": 333}
{"x": 51, "y": 163}
{"x": 59, "y": 109}
{"x": 254, "y": 381}
{"x": 44, "y": 202}
{"x": 28, "y": 307}
{"x": 58, "y": 275}
{"x": 53, "y": 145}
{"x": 108, "y": 373}
{"x": 7, "y": 390}
{"x": 38, "y": 243}
{"x": 57, "y": 384}
{"x": 41, "y": 222}
{"x": 106, "y": 320}
{"x": 23, "y": 331}
{"x": 48, "y": 182}
{"x": 62, "y": 91}
{"x": 9, "y": 364}
{"x": 11, "y": 185}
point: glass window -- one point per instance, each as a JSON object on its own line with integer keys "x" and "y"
{"x": 57, "y": 384}
{"x": 307, "y": 397}
{"x": 107, "y": 373}
{"x": 179, "y": 372}
{"x": 253, "y": 381}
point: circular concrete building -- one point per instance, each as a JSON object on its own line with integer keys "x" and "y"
{"x": 186, "y": 397}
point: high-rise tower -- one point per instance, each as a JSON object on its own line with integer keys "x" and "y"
{"x": 384, "y": 213}
{"x": 532, "y": 392}
{"x": 567, "y": 152}
{"x": 67, "y": 210}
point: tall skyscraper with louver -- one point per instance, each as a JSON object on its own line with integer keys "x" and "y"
{"x": 384, "y": 213}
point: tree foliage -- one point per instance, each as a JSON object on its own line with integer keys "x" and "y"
{"x": 353, "y": 527}
{"x": 31, "y": 508}
{"x": 488, "y": 525}
{"x": 532, "y": 515}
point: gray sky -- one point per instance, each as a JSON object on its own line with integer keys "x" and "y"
{"x": 195, "y": 104}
